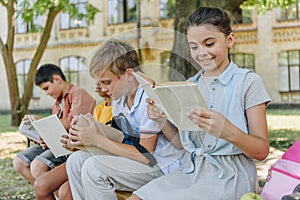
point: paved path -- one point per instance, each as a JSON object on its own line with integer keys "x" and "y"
{"x": 263, "y": 166}
{"x": 283, "y": 122}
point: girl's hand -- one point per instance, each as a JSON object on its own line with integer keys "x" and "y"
{"x": 155, "y": 113}
{"x": 209, "y": 121}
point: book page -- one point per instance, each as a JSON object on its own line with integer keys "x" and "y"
{"x": 175, "y": 99}
{"x": 149, "y": 89}
{"x": 51, "y": 129}
{"x": 29, "y": 133}
{"x": 178, "y": 100}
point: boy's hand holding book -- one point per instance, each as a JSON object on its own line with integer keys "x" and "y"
{"x": 84, "y": 132}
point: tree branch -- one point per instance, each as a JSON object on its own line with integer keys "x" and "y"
{"x": 3, "y": 3}
{"x": 1, "y": 44}
{"x": 39, "y": 53}
{"x": 10, "y": 26}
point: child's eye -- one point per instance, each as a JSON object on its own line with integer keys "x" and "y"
{"x": 106, "y": 82}
{"x": 193, "y": 47}
{"x": 210, "y": 44}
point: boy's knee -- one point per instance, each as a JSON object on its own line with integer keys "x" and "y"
{"x": 19, "y": 164}
{"x": 37, "y": 168}
{"x": 76, "y": 160}
{"x": 40, "y": 188}
{"x": 64, "y": 191}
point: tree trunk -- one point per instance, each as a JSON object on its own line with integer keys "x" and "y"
{"x": 36, "y": 59}
{"x": 6, "y": 52}
{"x": 181, "y": 63}
{"x": 19, "y": 106}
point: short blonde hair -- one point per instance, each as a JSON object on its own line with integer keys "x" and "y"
{"x": 114, "y": 55}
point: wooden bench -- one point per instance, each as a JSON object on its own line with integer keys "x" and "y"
{"x": 123, "y": 195}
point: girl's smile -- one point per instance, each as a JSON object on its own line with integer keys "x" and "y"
{"x": 209, "y": 48}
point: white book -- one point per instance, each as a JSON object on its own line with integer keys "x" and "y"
{"x": 175, "y": 99}
{"x": 29, "y": 132}
{"x": 50, "y": 130}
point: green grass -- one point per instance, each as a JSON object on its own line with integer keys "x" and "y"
{"x": 13, "y": 186}
{"x": 6, "y": 119}
{"x": 282, "y": 139}
{"x": 283, "y": 111}
{"x": 5, "y": 124}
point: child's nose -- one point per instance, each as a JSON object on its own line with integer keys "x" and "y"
{"x": 202, "y": 51}
{"x": 104, "y": 89}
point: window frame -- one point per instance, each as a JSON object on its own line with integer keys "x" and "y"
{"x": 121, "y": 12}
{"x": 69, "y": 72}
{"x": 25, "y": 65}
{"x": 295, "y": 7}
{"x": 164, "y": 9}
{"x": 233, "y": 58}
{"x": 66, "y": 22}
{"x": 21, "y": 26}
{"x": 288, "y": 68}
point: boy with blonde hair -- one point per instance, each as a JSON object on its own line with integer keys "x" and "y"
{"x": 144, "y": 154}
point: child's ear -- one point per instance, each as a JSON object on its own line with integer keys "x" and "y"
{"x": 56, "y": 78}
{"x": 230, "y": 40}
{"x": 129, "y": 73}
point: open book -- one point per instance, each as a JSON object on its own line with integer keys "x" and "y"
{"x": 29, "y": 132}
{"x": 50, "y": 130}
{"x": 175, "y": 99}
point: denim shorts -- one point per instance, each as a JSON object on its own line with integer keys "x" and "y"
{"x": 43, "y": 155}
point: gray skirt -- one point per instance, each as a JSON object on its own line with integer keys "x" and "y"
{"x": 239, "y": 177}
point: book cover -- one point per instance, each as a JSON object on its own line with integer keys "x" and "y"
{"x": 29, "y": 132}
{"x": 50, "y": 130}
{"x": 175, "y": 99}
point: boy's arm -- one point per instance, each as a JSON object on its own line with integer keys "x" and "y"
{"x": 81, "y": 102}
{"x": 129, "y": 151}
{"x": 92, "y": 136}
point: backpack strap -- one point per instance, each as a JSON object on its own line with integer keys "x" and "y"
{"x": 134, "y": 138}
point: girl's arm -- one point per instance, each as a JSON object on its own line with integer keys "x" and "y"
{"x": 255, "y": 144}
{"x": 170, "y": 131}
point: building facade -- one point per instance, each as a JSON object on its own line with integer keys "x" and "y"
{"x": 269, "y": 44}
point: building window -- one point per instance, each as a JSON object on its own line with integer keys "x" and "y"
{"x": 73, "y": 67}
{"x": 167, "y": 9}
{"x": 289, "y": 67}
{"x": 243, "y": 60}
{"x": 21, "y": 26}
{"x": 66, "y": 22}
{"x": 292, "y": 12}
{"x": 121, "y": 11}
{"x": 22, "y": 69}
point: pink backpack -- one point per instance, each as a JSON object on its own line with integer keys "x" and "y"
{"x": 284, "y": 175}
